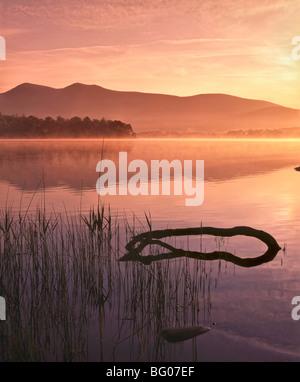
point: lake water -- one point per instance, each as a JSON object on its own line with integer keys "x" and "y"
{"x": 246, "y": 183}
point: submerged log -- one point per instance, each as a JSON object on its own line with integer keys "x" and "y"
{"x": 139, "y": 242}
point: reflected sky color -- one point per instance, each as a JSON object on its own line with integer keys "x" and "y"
{"x": 246, "y": 183}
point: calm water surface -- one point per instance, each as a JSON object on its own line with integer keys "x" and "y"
{"x": 248, "y": 183}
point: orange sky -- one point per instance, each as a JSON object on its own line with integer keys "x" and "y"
{"x": 180, "y": 47}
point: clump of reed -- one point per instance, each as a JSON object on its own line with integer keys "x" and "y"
{"x": 69, "y": 298}
{"x": 54, "y": 270}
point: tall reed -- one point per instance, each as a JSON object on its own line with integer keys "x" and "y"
{"x": 70, "y": 299}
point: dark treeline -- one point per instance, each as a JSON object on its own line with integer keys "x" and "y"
{"x": 288, "y": 132}
{"x": 12, "y": 126}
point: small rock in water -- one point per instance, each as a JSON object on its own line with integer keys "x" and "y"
{"x": 183, "y": 333}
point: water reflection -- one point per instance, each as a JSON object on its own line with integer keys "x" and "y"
{"x": 152, "y": 239}
{"x": 68, "y": 298}
{"x": 73, "y": 163}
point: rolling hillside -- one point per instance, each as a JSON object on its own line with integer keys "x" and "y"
{"x": 148, "y": 112}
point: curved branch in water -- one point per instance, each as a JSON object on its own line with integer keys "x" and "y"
{"x": 139, "y": 242}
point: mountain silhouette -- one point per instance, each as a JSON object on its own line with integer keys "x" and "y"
{"x": 147, "y": 111}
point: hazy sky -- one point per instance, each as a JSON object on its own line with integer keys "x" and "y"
{"x": 180, "y": 47}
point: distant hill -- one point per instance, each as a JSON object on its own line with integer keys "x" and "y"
{"x": 149, "y": 112}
